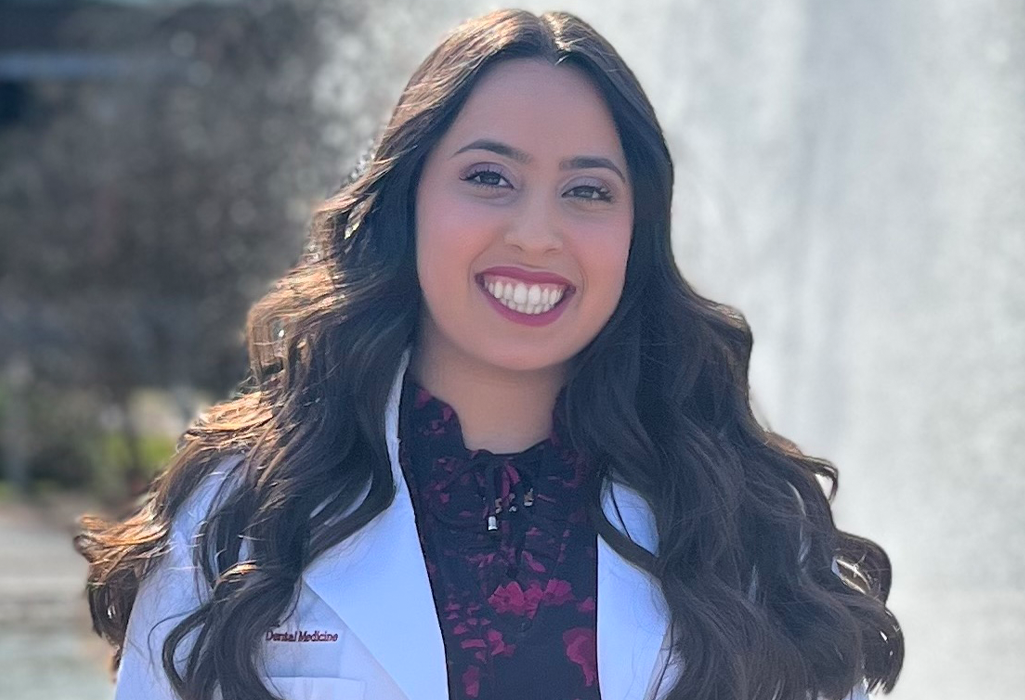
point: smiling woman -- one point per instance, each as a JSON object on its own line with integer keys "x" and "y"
{"x": 493, "y": 444}
{"x": 523, "y": 201}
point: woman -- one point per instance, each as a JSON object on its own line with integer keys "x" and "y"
{"x": 494, "y": 445}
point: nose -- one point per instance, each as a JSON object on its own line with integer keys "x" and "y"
{"x": 537, "y": 228}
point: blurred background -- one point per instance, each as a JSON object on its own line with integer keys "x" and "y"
{"x": 851, "y": 176}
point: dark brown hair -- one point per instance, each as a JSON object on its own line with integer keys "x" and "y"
{"x": 748, "y": 552}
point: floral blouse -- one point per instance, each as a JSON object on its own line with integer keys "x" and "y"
{"x": 511, "y": 556}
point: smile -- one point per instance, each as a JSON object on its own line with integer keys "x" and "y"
{"x": 524, "y": 298}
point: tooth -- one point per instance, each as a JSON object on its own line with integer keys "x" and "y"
{"x": 520, "y": 294}
{"x": 490, "y": 286}
{"x": 496, "y": 289}
{"x": 545, "y": 294}
{"x": 546, "y": 308}
{"x": 534, "y": 295}
{"x": 507, "y": 291}
{"x": 556, "y": 295}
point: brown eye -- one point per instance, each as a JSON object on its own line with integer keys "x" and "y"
{"x": 591, "y": 193}
{"x": 485, "y": 177}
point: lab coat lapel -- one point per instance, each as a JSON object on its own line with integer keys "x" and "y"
{"x": 376, "y": 581}
{"x": 633, "y": 619}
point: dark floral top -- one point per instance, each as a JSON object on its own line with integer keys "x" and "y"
{"x": 516, "y": 603}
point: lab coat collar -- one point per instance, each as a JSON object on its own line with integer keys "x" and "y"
{"x": 376, "y": 581}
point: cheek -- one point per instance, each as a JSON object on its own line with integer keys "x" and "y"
{"x": 449, "y": 237}
{"x": 612, "y": 281}
{"x": 435, "y": 238}
{"x": 604, "y": 263}
{"x": 605, "y": 277}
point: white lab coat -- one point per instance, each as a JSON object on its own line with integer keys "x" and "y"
{"x": 368, "y": 604}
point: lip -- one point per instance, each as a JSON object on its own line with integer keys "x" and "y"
{"x": 528, "y": 276}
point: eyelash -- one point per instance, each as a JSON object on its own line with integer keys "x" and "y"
{"x": 604, "y": 195}
{"x": 477, "y": 172}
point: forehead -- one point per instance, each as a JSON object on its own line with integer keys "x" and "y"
{"x": 543, "y": 109}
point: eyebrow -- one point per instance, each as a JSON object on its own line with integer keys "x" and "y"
{"x": 575, "y": 163}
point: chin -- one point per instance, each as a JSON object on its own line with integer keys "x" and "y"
{"x": 514, "y": 360}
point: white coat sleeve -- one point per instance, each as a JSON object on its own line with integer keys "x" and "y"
{"x": 169, "y": 593}
{"x": 173, "y": 589}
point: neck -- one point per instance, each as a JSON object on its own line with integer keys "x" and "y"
{"x": 500, "y": 410}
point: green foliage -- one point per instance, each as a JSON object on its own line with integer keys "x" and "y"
{"x": 113, "y": 472}
{"x": 70, "y": 445}
{"x": 154, "y": 450}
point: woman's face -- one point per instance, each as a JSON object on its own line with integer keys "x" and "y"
{"x": 524, "y": 213}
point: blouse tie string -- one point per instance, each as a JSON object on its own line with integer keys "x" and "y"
{"x": 496, "y": 468}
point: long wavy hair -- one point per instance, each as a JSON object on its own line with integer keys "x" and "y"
{"x": 770, "y": 599}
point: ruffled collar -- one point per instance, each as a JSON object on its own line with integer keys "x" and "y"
{"x": 474, "y": 489}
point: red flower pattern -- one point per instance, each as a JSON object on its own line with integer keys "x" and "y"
{"x": 581, "y": 649}
{"x": 471, "y": 681}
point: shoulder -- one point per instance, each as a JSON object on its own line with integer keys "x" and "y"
{"x": 631, "y": 514}
{"x": 177, "y": 556}
{"x": 175, "y": 567}
{"x": 206, "y": 498}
